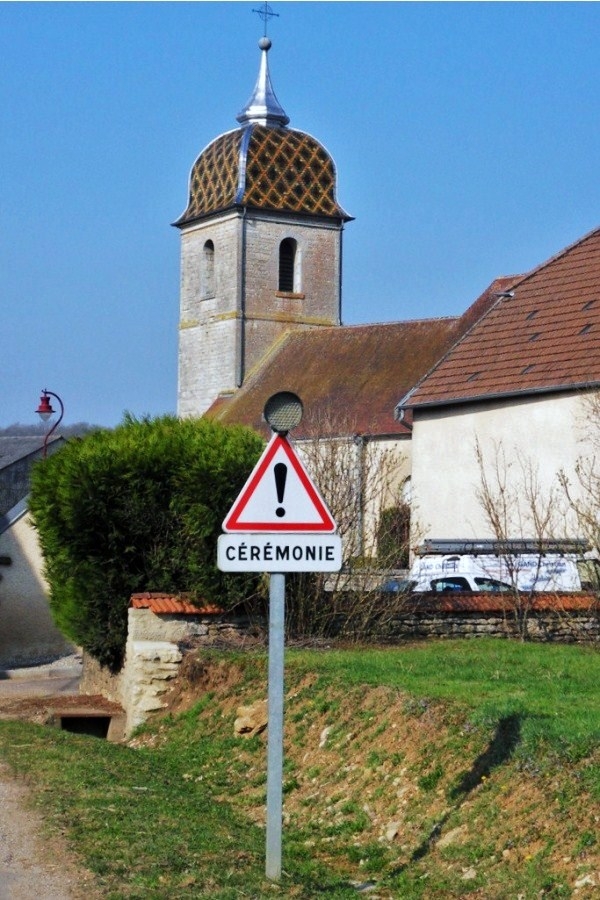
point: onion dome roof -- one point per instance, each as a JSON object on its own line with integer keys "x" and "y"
{"x": 263, "y": 164}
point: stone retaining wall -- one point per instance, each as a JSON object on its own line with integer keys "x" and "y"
{"x": 158, "y": 635}
{"x": 566, "y": 617}
{"x": 550, "y": 627}
{"x": 153, "y": 653}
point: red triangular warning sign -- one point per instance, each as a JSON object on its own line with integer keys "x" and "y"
{"x": 279, "y": 496}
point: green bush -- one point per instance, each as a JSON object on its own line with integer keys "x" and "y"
{"x": 138, "y": 508}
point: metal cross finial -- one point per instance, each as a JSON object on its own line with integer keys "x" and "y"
{"x": 266, "y": 13}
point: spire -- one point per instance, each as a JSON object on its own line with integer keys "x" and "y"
{"x": 263, "y": 107}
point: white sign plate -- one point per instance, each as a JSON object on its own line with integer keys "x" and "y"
{"x": 279, "y": 553}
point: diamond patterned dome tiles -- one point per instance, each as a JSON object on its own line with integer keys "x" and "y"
{"x": 213, "y": 180}
{"x": 266, "y": 168}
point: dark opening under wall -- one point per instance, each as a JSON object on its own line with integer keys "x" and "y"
{"x": 95, "y": 726}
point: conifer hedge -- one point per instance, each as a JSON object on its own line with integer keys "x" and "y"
{"x": 138, "y": 508}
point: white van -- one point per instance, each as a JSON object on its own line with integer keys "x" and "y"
{"x": 488, "y": 565}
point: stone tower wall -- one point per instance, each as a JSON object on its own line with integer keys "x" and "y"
{"x": 269, "y": 313}
{"x": 208, "y": 327}
{"x": 226, "y": 336}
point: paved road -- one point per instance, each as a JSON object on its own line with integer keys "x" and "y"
{"x": 42, "y": 685}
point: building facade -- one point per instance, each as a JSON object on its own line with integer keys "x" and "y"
{"x": 512, "y": 410}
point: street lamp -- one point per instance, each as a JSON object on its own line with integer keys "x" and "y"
{"x": 283, "y": 411}
{"x": 45, "y": 411}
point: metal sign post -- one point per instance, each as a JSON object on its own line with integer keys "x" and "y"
{"x": 280, "y": 523}
{"x": 275, "y": 733}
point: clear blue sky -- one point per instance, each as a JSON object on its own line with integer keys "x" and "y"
{"x": 466, "y": 137}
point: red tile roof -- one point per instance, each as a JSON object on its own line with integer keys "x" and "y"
{"x": 493, "y": 602}
{"x": 161, "y": 604}
{"x": 347, "y": 376}
{"x": 545, "y": 337}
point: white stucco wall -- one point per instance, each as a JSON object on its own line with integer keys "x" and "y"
{"x": 545, "y": 434}
{"x": 340, "y": 466}
{"x": 27, "y": 633}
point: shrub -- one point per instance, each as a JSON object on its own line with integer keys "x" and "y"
{"x": 138, "y": 508}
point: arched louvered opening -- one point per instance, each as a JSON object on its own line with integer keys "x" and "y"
{"x": 207, "y": 285}
{"x": 287, "y": 265}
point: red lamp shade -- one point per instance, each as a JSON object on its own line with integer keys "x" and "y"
{"x": 45, "y": 409}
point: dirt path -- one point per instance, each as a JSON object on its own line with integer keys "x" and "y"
{"x": 33, "y": 867}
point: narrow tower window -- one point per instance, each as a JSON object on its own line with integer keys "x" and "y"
{"x": 207, "y": 280}
{"x": 287, "y": 265}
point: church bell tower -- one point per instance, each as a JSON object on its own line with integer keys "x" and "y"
{"x": 261, "y": 248}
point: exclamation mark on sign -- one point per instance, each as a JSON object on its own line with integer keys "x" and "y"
{"x": 280, "y": 470}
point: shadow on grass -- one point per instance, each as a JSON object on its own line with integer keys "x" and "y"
{"x": 326, "y": 886}
{"x": 500, "y": 749}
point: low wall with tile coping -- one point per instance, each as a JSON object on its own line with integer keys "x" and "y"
{"x": 156, "y": 643}
{"x": 548, "y": 627}
{"x": 565, "y": 618}
{"x": 153, "y": 653}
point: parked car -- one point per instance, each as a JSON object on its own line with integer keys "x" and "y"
{"x": 467, "y": 583}
{"x": 396, "y": 586}
{"x": 487, "y": 565}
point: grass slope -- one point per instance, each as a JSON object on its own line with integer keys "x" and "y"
{"x": 441, "y": 770}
